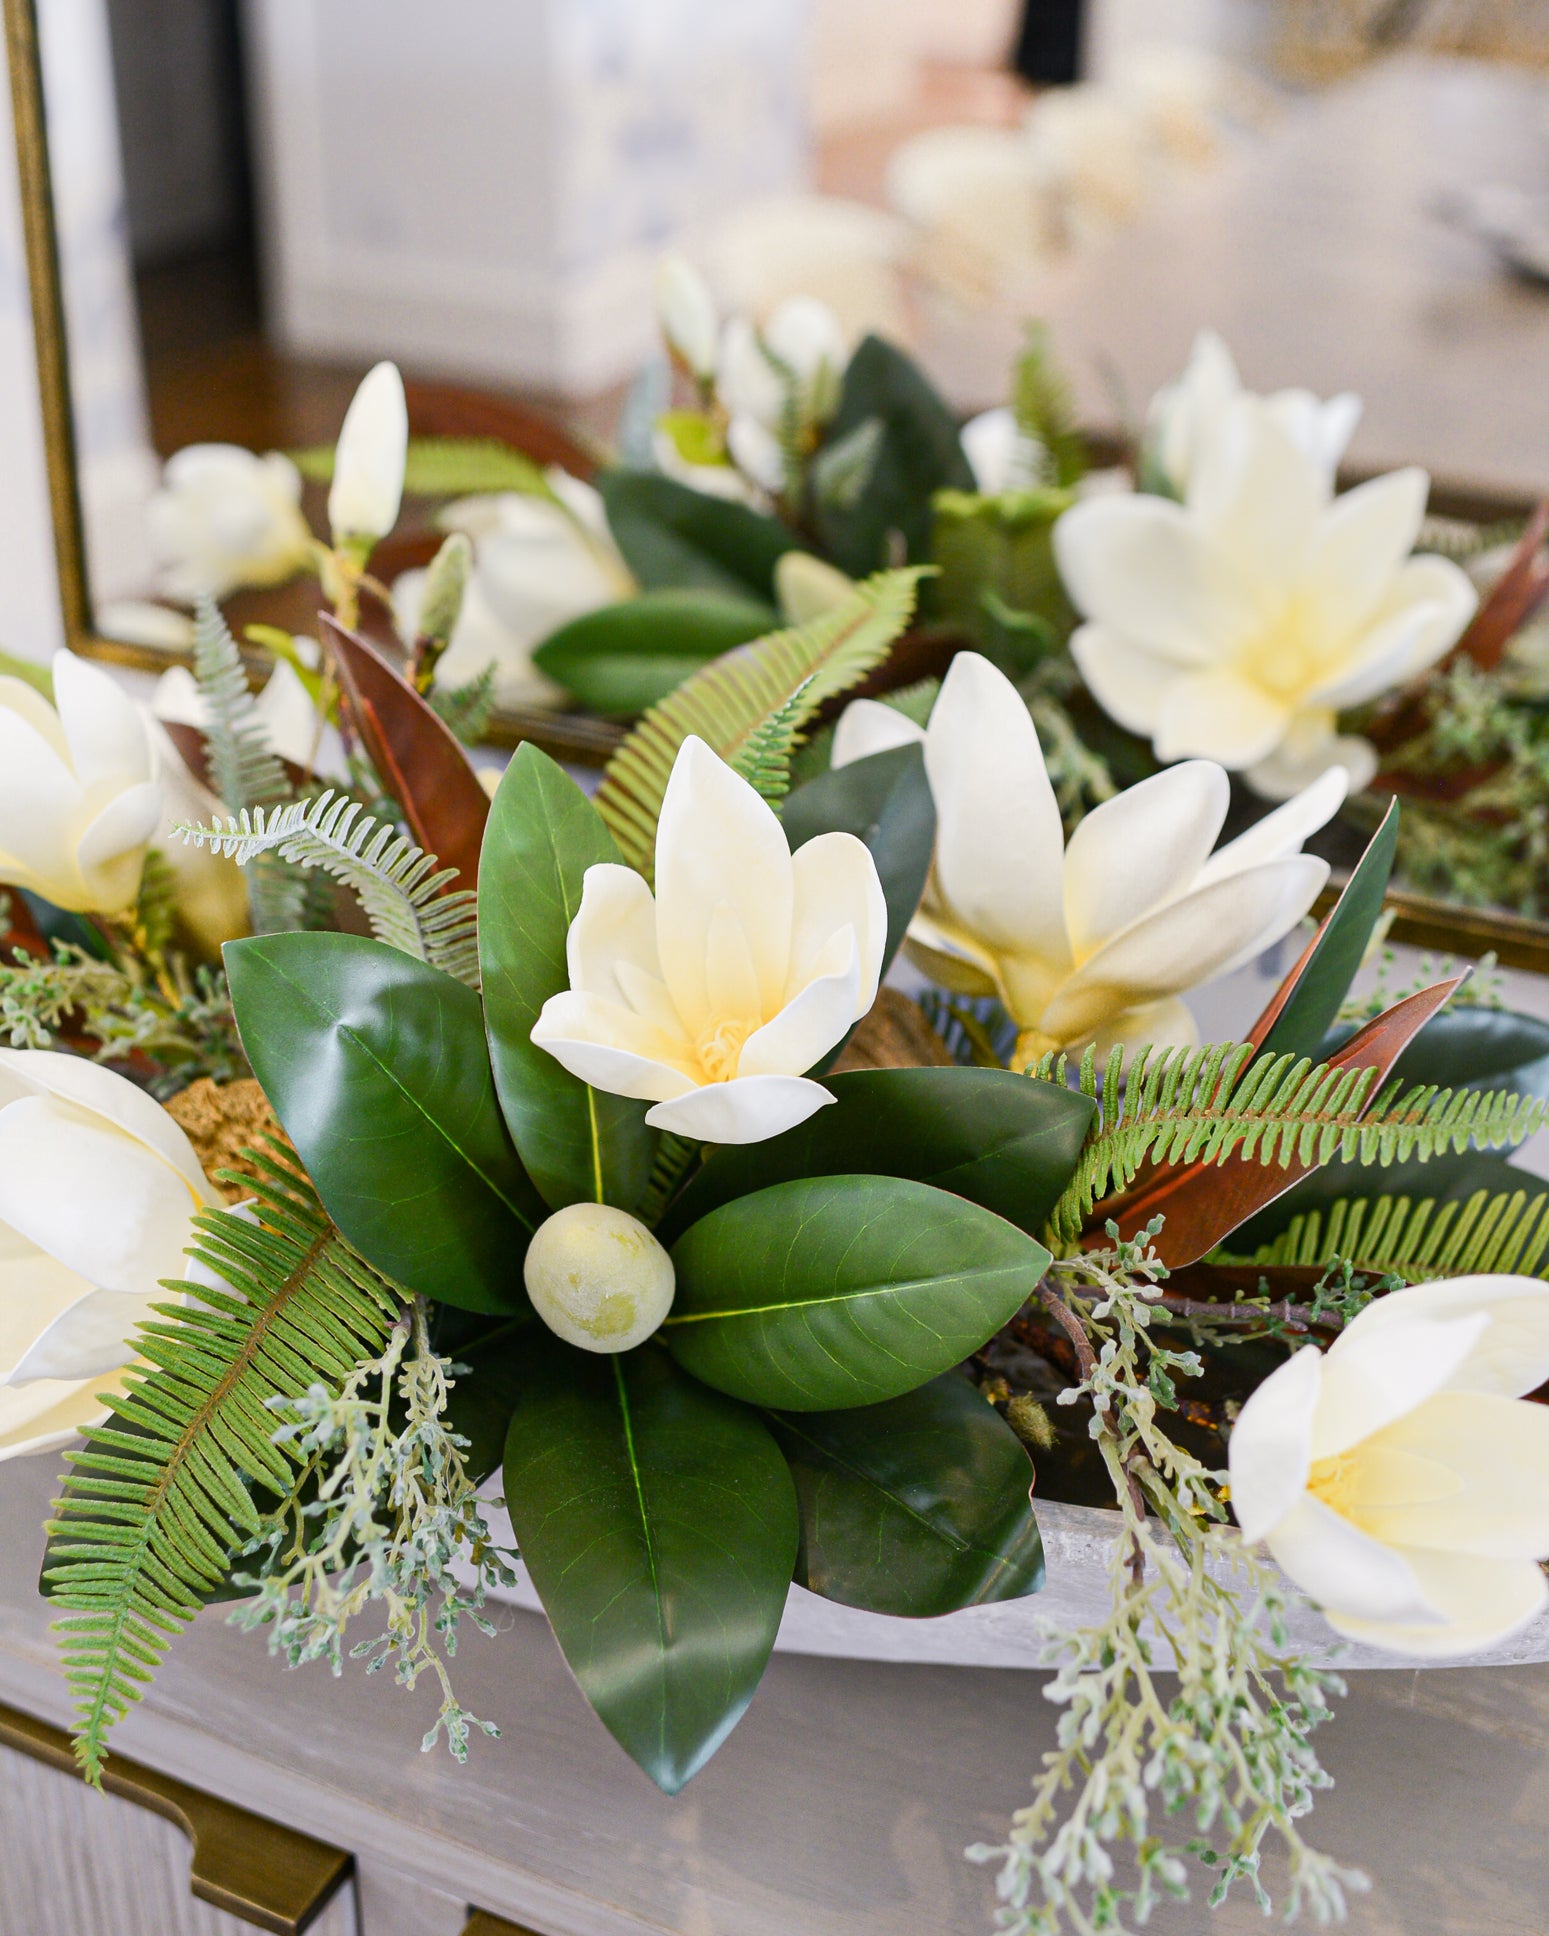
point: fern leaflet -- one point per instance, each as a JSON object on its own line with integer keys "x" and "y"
{"x": 765, "y": 761}
{"x": 244, "y": 770}
{"x": 727, "y": 702}
{"x": 1489, "y": 1231}
{"x": 158, "y": 1499}
{"x": 1206, "y": 1105}
{"x": 399, "y": 885}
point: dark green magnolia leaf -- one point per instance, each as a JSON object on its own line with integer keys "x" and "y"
{"x": 625, "y": 657}
{"x": 917, "y": 1506}
{"x": 886, "y": 801}
{"x": 377, "y": 1067}
{"x": 1473, "y": 1048}
{"x": 579, "y": 1144}
{"x": 918, "y": 454}
{"x": 1323, "y": 984}
{"x": 483, "y": 1396}
{"x": 658, "y": 1521}
{"x": 674, "y": 536}
{"x": 844, "y": 1290}
{"x": 1008, "y": 1142}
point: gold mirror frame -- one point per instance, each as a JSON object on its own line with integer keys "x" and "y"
{"x": 1421, "y": 920}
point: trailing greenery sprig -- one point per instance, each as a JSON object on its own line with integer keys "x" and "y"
{"x": 1210, "y": 1104}
{"x": 159, "y": 1496}
{"x": 403, "y": 891}
{"x": 1228, "y": 1743}
{"x": 378, "y": 1512}
{"x": 728, "y": 702}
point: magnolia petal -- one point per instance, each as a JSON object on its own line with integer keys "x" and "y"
{"x": 1372, "y": 1378}
{"x": 1429, "y": 602}
{"x": 367, "y": 488}
{"x": 866, "y": 726}
{"x": 1129, "y": 682}
{"x": 47, "y": 1414}
{"x": 1139, "y": 850}
{"x": 814, "y": 1021}
{"x": 837, "y": 888}
{"x": 107, "y": 1207}
{"x": 1141, "y": 568}
{"x": 1511, "y": 1354}
{"x": 1270, "y": 1449}
{"x": 16, "y": 696}
{"x": 616, "y": 922}
{"x": 40, "y": 810}
{"x": 1309, "y": 750}
{"x": 106, "y": 732}
{"x": 989, "y": 443}
{"x": 612, "y": 1048}
{"x": 1260, "y": 498}
{"x": 35, "y": 1290}
{"x": 718, "y": 845}
{"x": 1167, "y": 1024}
{"x": 1361, "y": 540}
{"x": 1480, "y": 1602}
{"x": 111, "y": 851}
{"x": 748, "y": 1109}
{"x": 731, "y": 974}
{"x": 1322, "y": 429}
{"x": 1280, "y": 833}
{"x": 1000, "y": 845}
{"x": 1466, "y": 1472}
{"x": 113, "y": 1098}
{"x": 1345, "y": 1570}
{"x": 1218, "y": 716}
{"x": 289, "y": 717}
{"x": 1189, "y": 941}
{"x": 951, "y": 960}
{"x": 87, "y": 1340}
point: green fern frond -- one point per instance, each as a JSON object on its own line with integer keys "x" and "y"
{"x": 156, "y": 1502}
{"x": 446, "y": 467}
{"x": 244, "y": 771}
{"x": 765, "y": 761}
{"x": 155, "y": 908}
{"x": 1051, "y": 450}
{"x": 1206, "y": 1105}
{"x": 466, "y": 709}
{"x": 727, "y": 702}
{"x": 1490, "y": 1231}
{"x": 399, "y": 885}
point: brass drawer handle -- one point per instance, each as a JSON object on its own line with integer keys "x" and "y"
{"x": 271, "y": 1877}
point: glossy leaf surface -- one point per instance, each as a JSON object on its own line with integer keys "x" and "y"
{"x": 377, "y": 1068}
{"x": 577, "y": 1143}
{"x": 623, "y": 658}
{"x": 674, "y": 536}
{"x": 844, "y": 1290}
{"x": 917, "y": 1506}
{"x": 658, "y": 1522}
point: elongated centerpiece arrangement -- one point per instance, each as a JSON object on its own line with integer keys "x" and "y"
{"x": 584, "y": 1146}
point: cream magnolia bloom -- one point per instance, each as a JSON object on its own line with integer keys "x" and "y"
{"x": 713, "y": 999}
{"x": 1186, "y": 415}
{"x": 1094, "y": 941}
{"x": 1237, "y": 625}
{"x": 98, "y": 1189}
{"x": 803, "y": 337}
{"x": 686, "y": 311}
{"x": 368, "y": 464}
{"x": 224, "y": 518}
{"x": 79, "y": 802}
{"x": 538, "y": 563}
{"x": 1398, "y": 1478}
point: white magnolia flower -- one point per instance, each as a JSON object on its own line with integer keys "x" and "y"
{"x": 368, "y": 464}
{"x": 1186, "y": 415}
{"x": 800, "y": 354}
{"x": 1399, "y": 1478}
{"x": 687, "y": 314}
{"x": 209, "y": 891}
{"x": 1097, "y": 940}
{"x": 538, "y": 563}
{"x": 79, "y": 802}
{"x": 224, "y": 518}
{"x": 713, "y": 999}
{"x": 1237, "y": 625}
{"x": 98, "y": 1190}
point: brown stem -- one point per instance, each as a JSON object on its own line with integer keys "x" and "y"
{"x": 1295, "y": 1317}
{"x": 1075, "y": 1330}
{"x": 1071, "y": 1325}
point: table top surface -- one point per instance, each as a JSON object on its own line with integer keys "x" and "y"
{"x": 1318, "y": 254}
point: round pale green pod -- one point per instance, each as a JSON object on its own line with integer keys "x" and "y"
{"x": 598, "y": 1278}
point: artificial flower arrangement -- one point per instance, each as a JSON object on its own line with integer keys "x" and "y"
{"x": 571, "y": 1153}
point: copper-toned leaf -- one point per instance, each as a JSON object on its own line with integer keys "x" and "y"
{"x": 1203, "y": 1201}
{"x": 1515, "y": 596}
{"x": 415, "y": 752}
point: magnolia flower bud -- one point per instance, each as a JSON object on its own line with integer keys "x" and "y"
{"x": 686, "y": 311}
{"x": 445, "y": 582}
{"x": 598, "y": 1278}
{"x": 369, "y": 462}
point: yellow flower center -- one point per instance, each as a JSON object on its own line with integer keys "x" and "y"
{"x": 720, "y": 1050}
{"x": 1288, "y": 655}
{"x": 1333, "y": 1481}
